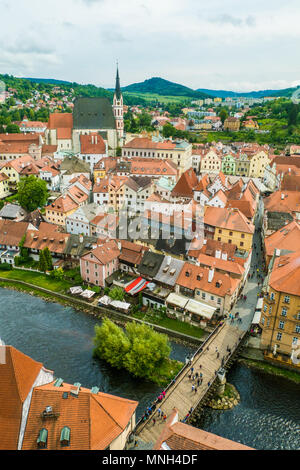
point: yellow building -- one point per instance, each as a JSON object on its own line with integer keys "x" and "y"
{"x": 218, "y": 100}
{"x": 4, "y": 186}
{"x": 229, "y": 225}
{"x": 280, "y": 318}
{"x": 258, "y": 163}
{"x": 211, "y": 162}
{"x": 14, "y": 169}
{"x": 63, "y": 207}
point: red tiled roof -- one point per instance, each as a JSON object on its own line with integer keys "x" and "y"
{"x": 185, "y": 185}
{"x": 17, "y": 376}
{"x": 60, "y": 120}
{"x": 198, "y": 279}
{"x": 230, "y": 219}
{"x": 94, "y": 420}
{"x": 92, "y": 144}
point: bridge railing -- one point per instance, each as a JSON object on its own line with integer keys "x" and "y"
{"x": 182, "y": 370}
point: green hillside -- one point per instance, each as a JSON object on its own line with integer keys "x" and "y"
{"x": 159, "y": 86}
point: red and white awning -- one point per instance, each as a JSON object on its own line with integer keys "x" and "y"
{"x": 136, "y": 286}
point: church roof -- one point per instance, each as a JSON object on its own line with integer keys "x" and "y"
{"x": 118, "y": 88}
{"x": 93, "y": 113}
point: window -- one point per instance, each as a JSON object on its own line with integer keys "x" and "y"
{"x": 220, "y": 231}
{"x": 287, "y": 299}
{"x": 203, "y": 295}
{"x": 295, "y": 340}
{"x": 65, "y": 437}
{"x": 263, "y": 320}
{"x": 272, "y": 296}
{"x": 281, "y": 324}
{"x": 219, "y": 301}
{"x": 229, "y": 241}
{"x": 230, "y": 234}
{"x": 279, "y": 336}
{"x": 297, "y": 329}
{"x": 265, "y": 308}
{"x": 219, "y": 239}
{"x": 42, "y": 439}
{"x": 241, "y": 243}
{"x": 284, "y": 312}
{"x": 270, "y": 310}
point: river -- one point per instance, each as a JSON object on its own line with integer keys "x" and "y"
{"x": 268, "y": 416}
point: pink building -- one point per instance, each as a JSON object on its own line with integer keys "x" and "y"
{"x": 101, "y": 262}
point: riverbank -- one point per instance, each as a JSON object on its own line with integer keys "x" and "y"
{"x": 83, "y": 306}
{"x": 270, "y": 369}
{"x": 226, "y": 400}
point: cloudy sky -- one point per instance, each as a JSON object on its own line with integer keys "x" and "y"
{"x": 239, "y": 45}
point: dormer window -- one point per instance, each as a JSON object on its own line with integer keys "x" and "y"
{"x": 65, "y": 437}
{"x": 42, "y": 439}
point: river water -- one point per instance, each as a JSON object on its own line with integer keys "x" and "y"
{"x": 268, "y": 416}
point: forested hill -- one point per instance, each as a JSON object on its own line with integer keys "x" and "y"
{"x": 286, "y": 92}
{"x": 163, "y": 87}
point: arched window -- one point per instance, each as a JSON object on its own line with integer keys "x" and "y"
{"x": 65, "y": 436}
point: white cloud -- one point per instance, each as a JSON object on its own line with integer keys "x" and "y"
{"x": 200, "y": 44}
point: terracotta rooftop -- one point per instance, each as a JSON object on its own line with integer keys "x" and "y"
{"x": 11, "y": 233}
{"x": 95, "y": 420}
{"x": 17, "y": 375}
{"x": 283, "y": 201}
{"x": 63, "y": 204}
{"x": 180, "y": 436}
{"x": 185, "y": 185}
{"x": 92, "y": 144}
{"x": 230, "y": 219}
{"x": 60, "y": 120}
{"x": 195, "y": 277}
{"x": 285, "y": 275}
{"x": 286, "y": 238}
{"x": 146, "y": 143}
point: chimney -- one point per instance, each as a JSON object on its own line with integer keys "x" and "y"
{"x": 282, "y": 196}
{"x": 92, "y": 139}
{"x": 96, "y": 140}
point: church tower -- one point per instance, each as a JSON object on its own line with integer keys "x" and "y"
{"x": 118, "y": 108}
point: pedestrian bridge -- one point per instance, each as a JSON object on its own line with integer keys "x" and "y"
{"x": 212, "y": 355}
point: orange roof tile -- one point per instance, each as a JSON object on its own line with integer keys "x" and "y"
{"x": 94, "y": 420}
{"x": 285, "y": 275}
{"x": 230, "y": 219}
{"x": 17, "y": 376}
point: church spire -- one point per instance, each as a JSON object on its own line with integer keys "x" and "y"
{"x": 118, "y": 88}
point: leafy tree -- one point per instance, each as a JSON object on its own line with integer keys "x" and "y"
{"x": 293, "y": 115}
{"x": 117, "y": 293}
{"x": 12, "y": 129}
{"x": 32, "y": 193}
{"x": 111, "y": 343}
{"x": 148, "y": 350}
{"x": 223, "y": 115}
{"x": 139, "y": 349}
{"x": 48, "y": 259}
{"x": 42, "y": 262}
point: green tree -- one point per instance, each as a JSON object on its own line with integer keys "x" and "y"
{"x": 293, "y": 115}
{"x": 48, "y": 259}
{"x": 12, "y": 129}
{"x": 223, "y": 115}
{"x": 117, "y": 293}
{"x": 111, "y": 343}
{"x": 42, "y": 262}
{"x": 148, "y": 351}
{"x": 32, "y": 193}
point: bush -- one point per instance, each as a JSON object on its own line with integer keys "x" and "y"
{"x": 5, "y": 267}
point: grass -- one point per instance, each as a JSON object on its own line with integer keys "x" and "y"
{"x": 170, "y": 323}
{"x": 271, "y": 369}
{"x": 38, "y": 279}
{"x": 160, "y": 98}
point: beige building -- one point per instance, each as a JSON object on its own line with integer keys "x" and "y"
{"x": 179, "y": 152}
{"x": 258, "y": 163}
{"x": 211, "y": 162}
{"x": 280, "y": 318}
